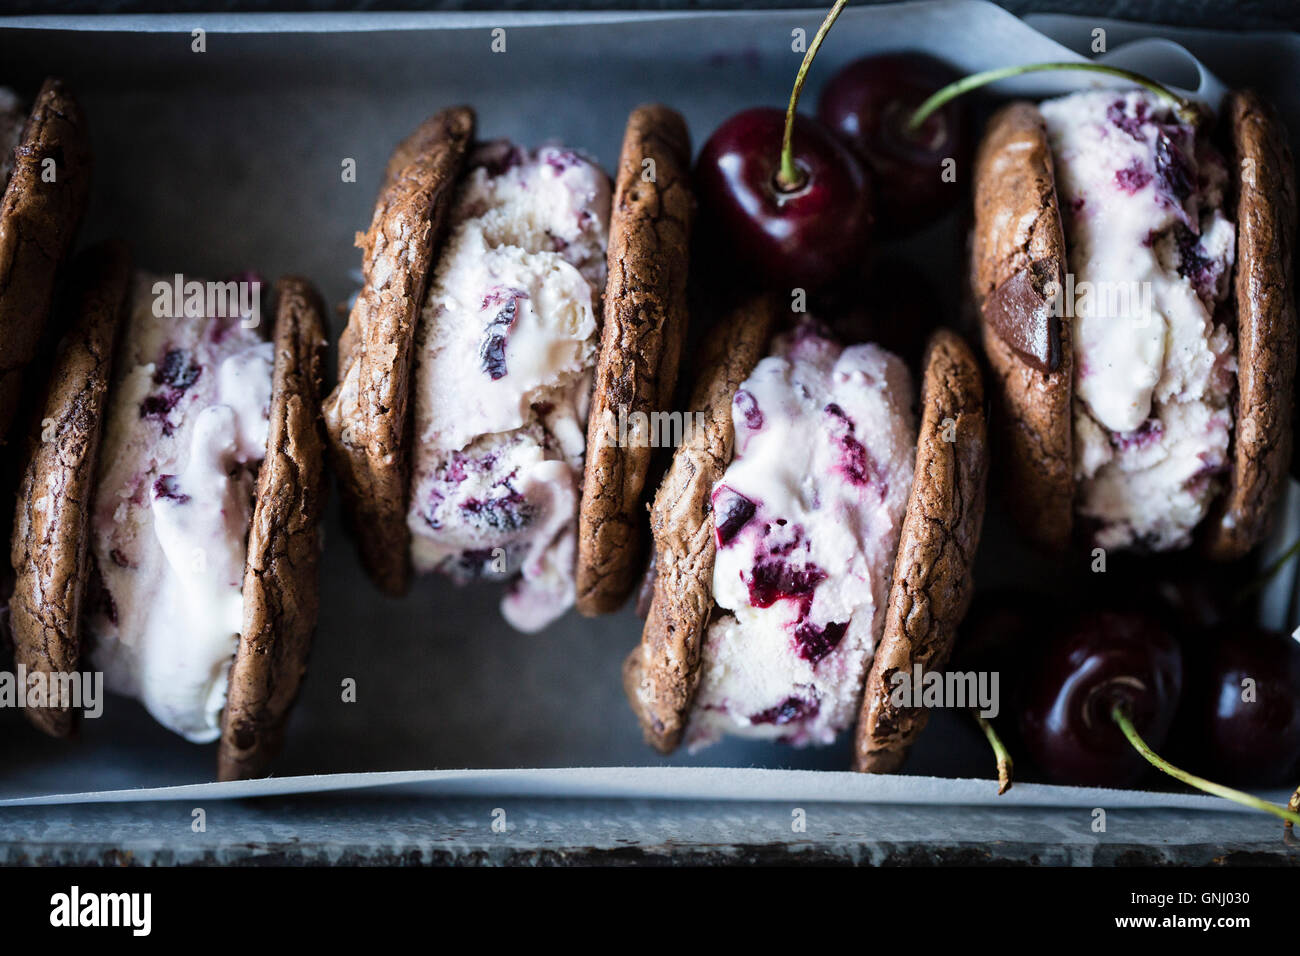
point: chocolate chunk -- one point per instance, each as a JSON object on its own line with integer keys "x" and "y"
{"x": 1018, "y": 222}
{"x": 646, "y": 591}
{"x": 1022, "y": 311}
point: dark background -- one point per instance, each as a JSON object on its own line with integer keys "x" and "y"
{"x": 1248, "y": 15}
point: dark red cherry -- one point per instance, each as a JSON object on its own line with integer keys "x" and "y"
{"x": 1002, "y": 629}
{"x": 1191, "y": 596}
{"x": 1194, "y": 605}
{"x": 1104, "y": 658}
{"x": 793, "y": 238}
{"x": 869, "y": 103}
{"x": 895, "y": 307}
{"x": 1240, "y": 720}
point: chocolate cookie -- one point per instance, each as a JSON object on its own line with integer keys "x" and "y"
{"x": 281, "y": 590}
{"x": 941, "y": 530}
{"x": 1266, "y": 328}
{"x": 641, "y": 342}
{"x": 662, "y": 674}
{"x": 367, "y": 416}
{"x": 49, "y": 551}
{"x": 1018, "y": 261}
{"x": 42, "y": 206}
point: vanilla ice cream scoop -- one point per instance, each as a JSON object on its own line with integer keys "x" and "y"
{"x": 1151, "y": 254}
{"x": 505, "y": 349}
{"x": 185, "y": 432}
{"x": 807, "y": 518}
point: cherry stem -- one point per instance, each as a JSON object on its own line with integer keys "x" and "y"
{"x": 1006, "y": 766}
{"x": 1185, "y": 109}
{"x": 790, "y": 177}
{"x": 1118, "y": 714}
{"x": 1294, "y": 805}
{"x": 1268, "y": 573}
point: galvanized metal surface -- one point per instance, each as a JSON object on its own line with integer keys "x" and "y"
{"x": 404, "y": 831}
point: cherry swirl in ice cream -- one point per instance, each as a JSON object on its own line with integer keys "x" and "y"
{"x": 1151, "y": 253}
{"x": 505, "y": 352}
{"x": 185, "y": 432}
{"x": 807, "y": 519}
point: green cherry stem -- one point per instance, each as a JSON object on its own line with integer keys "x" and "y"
{"x": 1268, "y": 573}
{"x": 790, "y": 177}
{"x": 1185, "y": 109}
{"x": 1006, "y": 767}
{"x": 1118, "y": 714}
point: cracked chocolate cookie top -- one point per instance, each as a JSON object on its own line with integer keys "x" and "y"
{"x": 367, "y": 416}
{"x": 281, "y": 590}
{"x": 49, "y": 550}
{"x": 42, "y": 206}
{"x": 641, "y": 342}
{"x": 1266, "y": 327}
{"x": 1017, "y": 250}
{"x": 932, "y": 572}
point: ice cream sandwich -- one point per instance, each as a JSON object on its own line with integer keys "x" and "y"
{"x": 166, "y": 527}
{"x": 44, "y": 180}
{"x": 476, "y": 422}
{"x": 1134, "y": 283}
{"x": 811, "y": 539}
